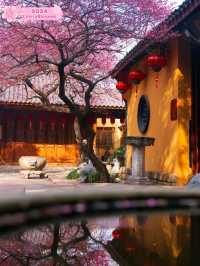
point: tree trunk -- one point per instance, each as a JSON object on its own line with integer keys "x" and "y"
{"x": 86, "y": 147}
{"x": 79, "y": 139}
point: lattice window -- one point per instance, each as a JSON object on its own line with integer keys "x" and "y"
{"x": 104, "y": 137}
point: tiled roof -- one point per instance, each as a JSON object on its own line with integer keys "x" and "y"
{"x": 176, "y": 17}
{"x": 21, "y": 95}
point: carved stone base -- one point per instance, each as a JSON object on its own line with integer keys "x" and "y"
{"x": 33, "y": 174}
{"x": 142, "y": 180}
{"x": 130, "y": 177}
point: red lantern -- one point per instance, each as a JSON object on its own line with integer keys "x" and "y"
{"x": 116, "y": 234}
{"x": 136, "y": 76}
{"x": 121, "y": 86}
{"x": 156, "y": 62}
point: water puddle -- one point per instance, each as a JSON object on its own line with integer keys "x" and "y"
{"x": 141, "y": 240}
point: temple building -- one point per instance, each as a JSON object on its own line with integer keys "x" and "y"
{"x": 28, "y": 127}
{"x": 160, "y": 79}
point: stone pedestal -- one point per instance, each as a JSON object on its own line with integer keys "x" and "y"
{"x": 138, "y": 155}
{"x": 32, "y": 166}
{"x": 138, "y": 161}
{"x": 32, "y": 162}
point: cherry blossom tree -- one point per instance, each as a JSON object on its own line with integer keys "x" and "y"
{"x": 79, "y": 51}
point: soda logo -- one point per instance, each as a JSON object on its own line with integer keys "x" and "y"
{"x": 13, "y": 13}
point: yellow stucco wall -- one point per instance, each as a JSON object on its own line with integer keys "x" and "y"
{"x": 163, "y": 234}
{"x": 170, "y": 151}
{"x": 184, "y": 110}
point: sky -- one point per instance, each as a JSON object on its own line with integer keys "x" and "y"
{"x": 180, "y": 1}
{"x": 127, "y": 48}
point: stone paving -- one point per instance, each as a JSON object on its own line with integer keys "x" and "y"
{"x": 14, "y": 184}
{"x": 25, "y": 200}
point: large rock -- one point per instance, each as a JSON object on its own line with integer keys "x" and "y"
{"x": 32, "y": 162}
{"x": 194, "y": 181}
{"x": 84, "y": 169}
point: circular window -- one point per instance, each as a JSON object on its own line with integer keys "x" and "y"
{"x": 143, "y": 115}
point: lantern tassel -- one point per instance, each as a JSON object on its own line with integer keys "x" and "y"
{"x": 157, "y": 79}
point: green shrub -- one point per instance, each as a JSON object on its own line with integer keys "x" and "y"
{"x": 73, "y": 174}
{"x": 93, "y": 177}
{"x": 120, "y": 152}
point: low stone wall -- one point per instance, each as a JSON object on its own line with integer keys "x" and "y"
{"x": 158, "y": 176}
{"x": 162, "y": 177}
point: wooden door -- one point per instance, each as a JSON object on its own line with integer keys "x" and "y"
{"x": 195, "y": 119}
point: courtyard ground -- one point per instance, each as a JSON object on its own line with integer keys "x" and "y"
{"x": 33, "y": 200}
{"x": 13, "y": 183}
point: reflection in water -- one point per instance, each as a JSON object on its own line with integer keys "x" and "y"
{"x": 153, "y": 240}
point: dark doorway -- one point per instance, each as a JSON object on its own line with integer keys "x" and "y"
{"x": 195, "y": 120}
